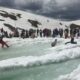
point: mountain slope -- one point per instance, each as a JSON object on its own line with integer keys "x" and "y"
{"x": 26, "y": 20}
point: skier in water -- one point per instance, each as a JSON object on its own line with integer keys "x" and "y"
{"x": 54, "y": 43}
{"x": 1, "y": 40}
{"x": 72, "y": 40}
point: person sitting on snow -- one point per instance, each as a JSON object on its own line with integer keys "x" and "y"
{"x": 54, "y": 43}
{"x": 72, "y": 40}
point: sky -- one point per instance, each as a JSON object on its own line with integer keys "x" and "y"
{"x": 59, "y": 9}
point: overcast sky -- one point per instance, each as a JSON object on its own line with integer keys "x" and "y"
{"x": 63, "y": 9}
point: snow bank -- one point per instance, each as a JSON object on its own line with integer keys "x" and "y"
{"x": 75, "y": 75}
{"x": 54, "y": 56}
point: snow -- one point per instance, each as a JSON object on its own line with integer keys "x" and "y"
{"x": 75, "y": 75}
{"x": 55, "y": 54}
{"x": 23, "y": 22}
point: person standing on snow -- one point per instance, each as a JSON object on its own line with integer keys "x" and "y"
{"x": 1, "y": 40}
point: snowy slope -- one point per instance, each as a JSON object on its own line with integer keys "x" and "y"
{"x": 23, "y": 21}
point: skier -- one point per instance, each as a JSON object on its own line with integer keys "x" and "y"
{"x": 1, "y": 40}
{"x": 72, "y": 40}
{"x": 54, "y": 43}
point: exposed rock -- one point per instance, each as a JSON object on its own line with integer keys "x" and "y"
{"x": 19, "y": 28}
{"x": 19, "y": 15}
{"x": 34, "y": 23}
{"x": 10, "y": 27}
{"x": 60, "y": 23}
{"x": 73, "y": 26}
{"x": 2, "y": 20}
{"x": 13, "y": 16}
